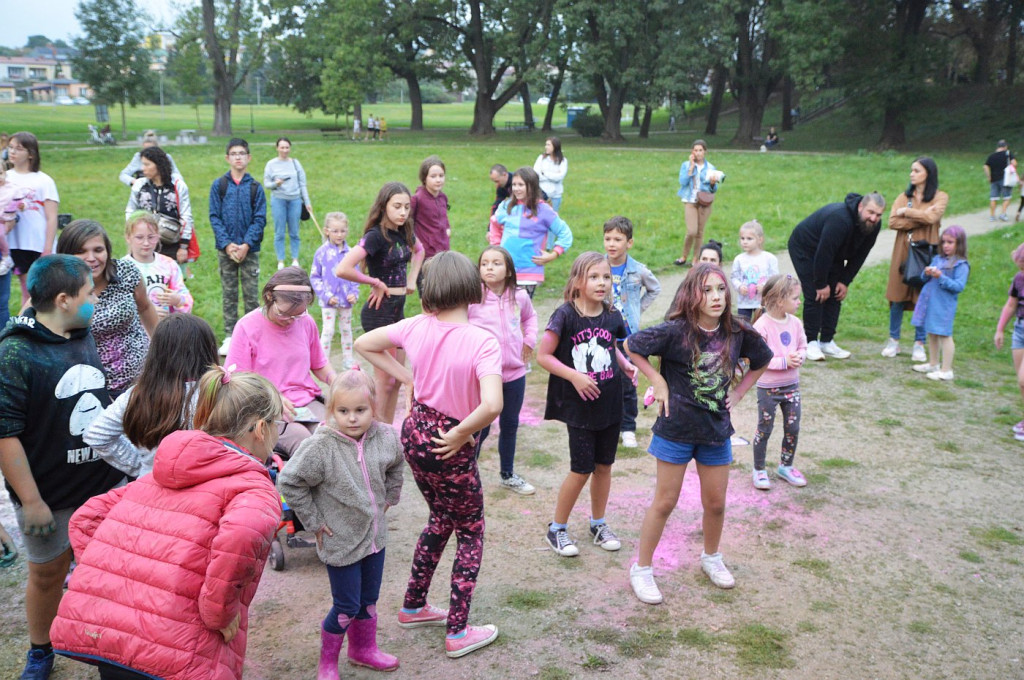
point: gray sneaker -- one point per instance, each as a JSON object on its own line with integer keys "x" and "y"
{"x": 604, "y": 537}
{"x": 517, "y": 484}
{"x": 560, "y": 542}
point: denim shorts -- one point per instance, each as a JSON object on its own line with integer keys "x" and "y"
{"x": 680, "y": 453}
{"x": 1018, "y": 335}
{"x": 997, "y": 190}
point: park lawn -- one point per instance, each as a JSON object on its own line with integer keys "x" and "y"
{"x": 777, "y": 189}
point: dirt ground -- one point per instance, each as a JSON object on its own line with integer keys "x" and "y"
{"x": 901, "y": 558}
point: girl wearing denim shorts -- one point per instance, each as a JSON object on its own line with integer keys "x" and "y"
{"x": 1014, "y": 308}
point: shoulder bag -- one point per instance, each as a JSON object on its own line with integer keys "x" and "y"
{"x": 919, "y": 256}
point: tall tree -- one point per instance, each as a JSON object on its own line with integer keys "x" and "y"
{"x": 983, "y": 22}
{"x": 110, "y": 55}
{"x": 187, "y": 64}
{"x": 234, "y": 40}
{"x": 756, "y": 73}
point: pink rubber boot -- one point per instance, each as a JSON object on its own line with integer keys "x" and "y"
{"x": 362, "y": 645}
{"x": 330, "y": 650}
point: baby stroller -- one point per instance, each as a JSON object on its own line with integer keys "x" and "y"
{"x": 101, "y": 136}
{"x": 289, "y": 523}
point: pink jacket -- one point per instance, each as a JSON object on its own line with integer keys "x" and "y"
{"x": 167, "y": 561}
{"x": 513, "y": 327}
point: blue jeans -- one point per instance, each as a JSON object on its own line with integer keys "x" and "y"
{"x": 354, "y": 590}
{"x": 513, "y": 392}
{"x": 286, "y": 215}
{"x": 896, "y": 320}
{"x": 556, "y": 203}
{"x": 5, "y": 297}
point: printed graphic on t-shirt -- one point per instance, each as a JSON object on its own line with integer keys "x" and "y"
{"x": 785, "y": 338}
{"x": 81, "y": 379}
{"x": 156, "y": 284}
{"x": 589, "y": 356}
{"x": 709, "y": 378}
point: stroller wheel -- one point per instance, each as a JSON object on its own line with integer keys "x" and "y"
{"x": 276, "y": 556}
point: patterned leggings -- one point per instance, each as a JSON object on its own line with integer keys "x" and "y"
{"x": 344, "y": 317}
{"x": 455, "y": 497}
{"x": 788, "y": 399}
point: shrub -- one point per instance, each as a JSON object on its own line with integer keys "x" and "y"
{"x": 588, "y": 124}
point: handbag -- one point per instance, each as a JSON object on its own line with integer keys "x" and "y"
{"x": 919, "y": 256}
{"x": 169, "y": 228}
{"x": 705, "y": 198}
{"x": 305, "y": 214}
{"x": 1010, "y": 178}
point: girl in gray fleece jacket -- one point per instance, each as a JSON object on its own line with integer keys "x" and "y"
{"x": 340, "y": 482}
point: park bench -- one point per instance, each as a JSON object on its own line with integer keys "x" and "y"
{"x": 334, "y": 133}
{"x": 517, "y": 126}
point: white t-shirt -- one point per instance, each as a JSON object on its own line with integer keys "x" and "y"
{"x": 30, "y": 232}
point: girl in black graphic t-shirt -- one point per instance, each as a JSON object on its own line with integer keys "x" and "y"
{"x": 388, "y": 246}
{"x": 700, "y": 346}
{"x": 585, "y": 393}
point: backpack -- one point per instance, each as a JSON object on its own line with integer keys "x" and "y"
{"x": 222, "y": 189}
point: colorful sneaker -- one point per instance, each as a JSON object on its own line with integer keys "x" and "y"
{"x": 716, "y": 570}
{"x": 791, "y": 475}
{"x": 1019, "y": 428}
{"x": 1019, "y": 436}
{"x": 604, "y": 537}
{"x": 629, "y": 440}
{"x": 919, "y": 356}
{"x": 925, "y": 368}
{"x": 475, "y": 637}
{"x": 560, "y": 542}
{"x": 940, "y": 375}
{"x": 517, "y": 484}
{"x": 891, "y": 349}
{"x": 429, "y": 615}
{"x": 761, "y": 480}
{"x": 644, "y": 587}
{"x": 38, "y": 665}
{"x": 814, "y": 352}
{"x": 831, "y": 349}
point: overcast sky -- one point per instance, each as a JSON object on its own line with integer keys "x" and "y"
{"x": 56, "y": 18}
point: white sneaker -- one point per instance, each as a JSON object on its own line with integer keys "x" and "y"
{"x": 761, "y": 480}
{"x": 644, "y": 587}
{"x": 716, "y": 570}
{"x": 891, "y": 349}
{"x": 940, "y": 375}
{"x": 925, "y": 368}
{"x": 518, "y": 485}
{"x": 814, "y": 352}
{"x": 295, "y": 263}
{"x": 280, "y": 265}
{"x": 629, "y": 440}
{"x": 831, "y": 349}
{"x": 225, "y": 346}
{"x": 6, "y": 265}
{"x": 919, "y": 355}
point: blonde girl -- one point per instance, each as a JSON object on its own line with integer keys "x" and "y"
{"x": 211, "y": 505}
{"x": 160, "y": 274}
{"x": 1014, "y": 308}
{"x": 336, "y": 295}
{"x": 508, "y": 313}
{"x": 779, "y": 385}
{"x": 579, "y": 349}
{"x": 340, "y": 483}
{"x": 751, "y": 268}
{"x": 945, "y": 278}
{"x": 700, "y": 346}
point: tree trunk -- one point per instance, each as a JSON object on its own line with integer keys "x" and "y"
{"x": 556, "y": 89}
{"x": 718, "y": 80}
{"x": 636, "y": 116}
{"x": 645, "y": 128}
{"x": 524, "y": 92}
{"x": 483, "y": 114}
{"x": 415, "y": 102}
{"x": 357, "y": 113}
{"x": 613, "y": 116}
{"x": 787, "y": 104}
{"x": 752, "y": 108}
{"x": 894, "y": 132}
{"x": 124, "y": 122}
{"x": 222, "y": 85}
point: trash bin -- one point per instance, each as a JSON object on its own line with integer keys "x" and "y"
{"x": 572, "y": 112}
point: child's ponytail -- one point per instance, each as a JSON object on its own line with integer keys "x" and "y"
{"x": 231, "y": 402}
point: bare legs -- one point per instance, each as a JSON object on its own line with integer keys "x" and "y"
{"x": 600, "y": 487}
{"x": 42, "y": 595}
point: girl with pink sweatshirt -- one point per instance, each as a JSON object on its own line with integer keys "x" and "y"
{"x": 509, "y": 315}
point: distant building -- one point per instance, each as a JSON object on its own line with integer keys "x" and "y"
{"x": 38, "y": 79}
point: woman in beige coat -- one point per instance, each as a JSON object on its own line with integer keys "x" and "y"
{"x": 916, "y": 215}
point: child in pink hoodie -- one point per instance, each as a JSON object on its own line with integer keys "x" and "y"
{"x": 508, "y": 314}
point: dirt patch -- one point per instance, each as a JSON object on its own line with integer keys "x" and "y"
{"x": 902, "y": 558}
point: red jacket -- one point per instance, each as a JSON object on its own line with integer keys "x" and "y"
{"x": 167, "y": 561}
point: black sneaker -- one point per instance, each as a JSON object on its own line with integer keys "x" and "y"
{"x": 560, "y": 542}
{"x": 604, "y": 537}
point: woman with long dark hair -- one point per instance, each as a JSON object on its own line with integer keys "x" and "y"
{"x": 916, "y": 216}
{"x": 551, "y": 168}
{"x": 165, "y": 194}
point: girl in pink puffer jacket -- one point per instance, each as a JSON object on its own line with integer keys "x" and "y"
{"x": 168, "y": 565}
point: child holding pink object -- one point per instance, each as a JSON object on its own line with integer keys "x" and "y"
{"x": 456, "y": 373}
{"x": 160, "y": 274}
{"x": 13, "y": 200}
{"x": 336, "y": 295}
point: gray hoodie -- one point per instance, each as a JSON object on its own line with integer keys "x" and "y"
{"x": 346, "y": 484}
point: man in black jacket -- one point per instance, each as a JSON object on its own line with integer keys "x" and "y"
{"x": 828, "y": 249}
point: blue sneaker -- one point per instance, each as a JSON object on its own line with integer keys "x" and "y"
{"x": 791, "y": 475}
{"x": 38, "y": 666}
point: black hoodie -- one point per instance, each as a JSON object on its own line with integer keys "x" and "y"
{"x": 833, "y": 241}
{"x": 51, "y": 388}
